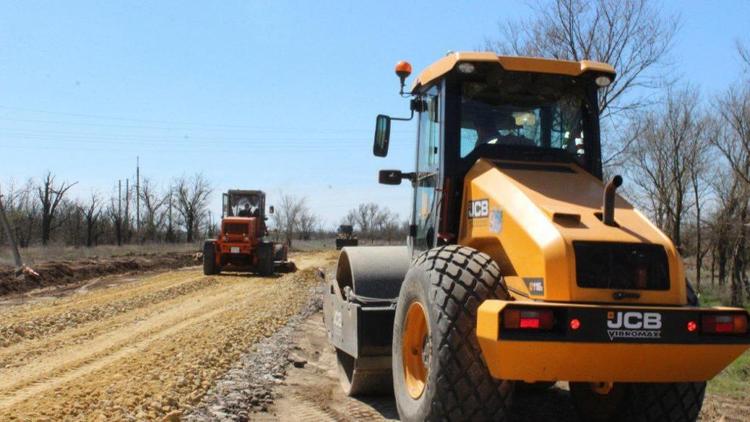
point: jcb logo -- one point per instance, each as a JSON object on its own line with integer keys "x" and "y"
{"x": 479, "y": 208}
{"x": 634, "y": 320}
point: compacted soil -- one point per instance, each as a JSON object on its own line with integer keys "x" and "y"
{"x": 139, "y": 348}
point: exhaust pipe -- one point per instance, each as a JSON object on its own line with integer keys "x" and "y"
{"x": 608, "y": 210}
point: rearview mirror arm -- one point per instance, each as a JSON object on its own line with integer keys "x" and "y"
{"x": 404, "y": 119}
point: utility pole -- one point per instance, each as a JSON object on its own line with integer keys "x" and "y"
{"x": 170, "y": 233}
{"x": 138, "y": 194}
{"x": 119, "y": 199}
{"x": 11, "y": 239}
{"x": 119, "y": 212}
{"x": 126, "y": 225}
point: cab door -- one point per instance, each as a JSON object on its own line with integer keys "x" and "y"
{"x": 427, "y": 180}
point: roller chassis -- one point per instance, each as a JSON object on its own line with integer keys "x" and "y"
{"x": 515, "y": 271}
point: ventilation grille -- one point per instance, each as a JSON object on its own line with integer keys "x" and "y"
{"x": 621, "y": 266}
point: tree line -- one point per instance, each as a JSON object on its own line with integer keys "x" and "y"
{"x": 42, "y": 211}
{"x": 294, "y": 219}
{"x": 685, "y": 155}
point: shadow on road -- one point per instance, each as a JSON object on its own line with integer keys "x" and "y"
{"x": 549, "y": 405}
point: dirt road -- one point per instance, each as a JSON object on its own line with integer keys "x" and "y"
{"x": 143, "y": 348}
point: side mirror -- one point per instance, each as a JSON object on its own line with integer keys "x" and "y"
{"x": 382, "y": 135}
{"x": 390, "y": 177}
{"x": 394, "y": 177}
{"x": 270, "y": 209}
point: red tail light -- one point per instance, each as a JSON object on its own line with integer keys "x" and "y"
{"x": 724, "y": 324}
{"x": 575, "y": 324}
{"x": 528, "y": 319}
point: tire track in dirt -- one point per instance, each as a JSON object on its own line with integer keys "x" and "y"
{"x": 136, "y": 286}
{"x": 103, "y": 349}
{"x": 44, "y": 325}
{"x": 313, "y": 393}
{"x": 145, "y": 358}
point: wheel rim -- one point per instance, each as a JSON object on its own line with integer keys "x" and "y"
{"x": 416, "y": 350}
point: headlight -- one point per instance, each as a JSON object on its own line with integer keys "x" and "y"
{"x": 603, "y": 81}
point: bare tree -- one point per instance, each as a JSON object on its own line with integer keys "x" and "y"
{"x": 91, "y": 214}
{"x": 50, "y": 196}
{"x": 169, "y": 235}
{"x": 734, "y": 144}
{"x": 153, "y": 204}
{"x": 287, "y": 217}
{"x": 670, "y": 145}
{"x": 308, "y": 223}
{"x": 26, "y": 214}
{"x": 744, "y": 52}
{"x": 365, "y": 215}
{"x": 350, "y": 219}
{"x": 115, "y": 215}
{"x": 700, "y": 190}
{"x": 631, "y": 35}
{"x": 387, "y": 224}
{"x": 191, "y": 201}
{"x": 9, "y": 234}
{"x": 375, "y": 222}
{"x": 724, "y": 225}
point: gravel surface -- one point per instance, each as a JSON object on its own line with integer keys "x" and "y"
{"x": 248, "y": 387}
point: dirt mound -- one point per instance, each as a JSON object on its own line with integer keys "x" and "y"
{"x": 55, "y": 273}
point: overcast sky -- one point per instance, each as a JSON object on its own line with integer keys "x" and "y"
{"x": 275, "y": 95}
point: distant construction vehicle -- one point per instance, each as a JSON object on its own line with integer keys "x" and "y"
{"x": 242, "y": 243}
{"x": 345, "y": 236}
{"x": 522, "y": 264}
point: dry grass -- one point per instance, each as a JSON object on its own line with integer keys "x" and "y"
{"x": 734, "y": 380}
{"x": 315, "y": 245}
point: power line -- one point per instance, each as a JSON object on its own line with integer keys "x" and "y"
{"x": 158, "y": 122}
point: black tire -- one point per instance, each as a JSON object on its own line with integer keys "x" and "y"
{"x": 265, "y": 259}
{"x": 640, "y": 402}
{"x": 209, "y": 258}
{"x": 362, "y": 377}
{"x": 450, "y": 282}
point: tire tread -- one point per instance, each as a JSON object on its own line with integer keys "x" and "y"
{"x": 461, "y": 279}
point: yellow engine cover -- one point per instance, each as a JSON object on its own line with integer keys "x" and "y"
{"x": 526, "y": 216}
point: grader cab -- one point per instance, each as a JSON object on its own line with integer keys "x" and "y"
{"x": 522, "y": 265}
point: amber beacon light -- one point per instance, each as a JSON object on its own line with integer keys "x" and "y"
{"x": 403, "y": 70}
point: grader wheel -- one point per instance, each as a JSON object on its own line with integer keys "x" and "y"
{"x": 209, "y": 259}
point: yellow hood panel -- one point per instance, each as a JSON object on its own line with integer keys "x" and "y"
{"x": 535, "y": 211}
